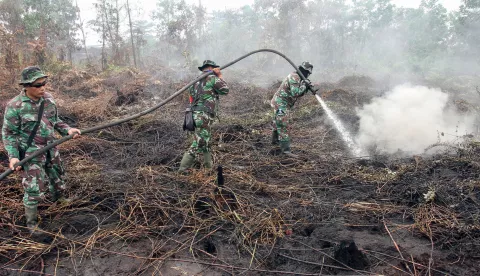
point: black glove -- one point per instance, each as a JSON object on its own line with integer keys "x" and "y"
{"x": 309, "y": 86}
{"x": 306, "y": 82}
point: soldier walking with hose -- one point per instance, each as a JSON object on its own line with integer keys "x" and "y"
{"x": 204, "y": 100}
{"x": 29, "y": 124}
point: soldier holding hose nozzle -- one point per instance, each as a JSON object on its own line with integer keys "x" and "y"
{"x": 292, "y": 88}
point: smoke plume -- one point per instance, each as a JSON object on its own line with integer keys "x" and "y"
{"x": 410, "y": 118}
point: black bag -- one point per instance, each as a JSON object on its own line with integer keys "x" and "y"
{"x": 189, "y": 122}
{"x": 21, "y": 152}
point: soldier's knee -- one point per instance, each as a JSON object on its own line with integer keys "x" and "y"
{"x": 33, "y": 198}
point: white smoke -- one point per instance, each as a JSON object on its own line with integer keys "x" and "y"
{"x": 410, "y": 118}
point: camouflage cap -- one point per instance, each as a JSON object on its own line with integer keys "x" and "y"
{"x": 208, "y": 63}
{"x": 31, "y": 74}
{"x": 307, "y": 66}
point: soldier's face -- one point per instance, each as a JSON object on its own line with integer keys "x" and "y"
{"x": 35, "y": 93}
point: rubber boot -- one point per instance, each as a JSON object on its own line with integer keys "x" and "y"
{"x": 275, "y": 137}
{"x": 285, "y": 147}
{"x": 187, "y": 162}
{"x": 31, "y": 217}
{"x": 207, "y": 160}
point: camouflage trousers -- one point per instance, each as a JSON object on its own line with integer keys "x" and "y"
{"x": 281, "y": 116}
{"x": 202, "y": 134}
{"x": 40, "y": 178}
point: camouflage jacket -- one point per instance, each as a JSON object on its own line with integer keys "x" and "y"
{"x": 289, "y": 91}
{"x": 20, "y": 117}
{"x": 204, "y": 94}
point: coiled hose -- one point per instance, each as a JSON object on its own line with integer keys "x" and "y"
{"x": 135, "y": 116}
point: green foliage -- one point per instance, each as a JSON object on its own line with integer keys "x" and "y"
{"x": 179, "y": 28}
{"x": 467, "y": 29}
{"x": 107, "y": 24}
{"x": 55, "y": 67}
{"x": 42, "y": 28}
{"x": 112, "y": 68}
{"x": 54, "y": 20}
{"x": 340, "y": 35}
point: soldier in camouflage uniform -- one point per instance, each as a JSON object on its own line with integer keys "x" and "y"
{"x": 292, "y": 88}
{"x": 204, "y": 98}
{"x": 44, "y": 172}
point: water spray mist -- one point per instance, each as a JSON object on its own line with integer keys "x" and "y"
{"x": 346, "y": 137}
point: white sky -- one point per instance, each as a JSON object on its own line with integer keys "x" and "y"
{"x": 143, "y": 9}
{"x": 449, "y": 4}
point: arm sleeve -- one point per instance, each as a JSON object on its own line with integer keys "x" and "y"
{"x": 11, "y": 131}
{"x": 296, "y": 87}
{"x": 60, "y": 125}
{"x": 220, "y": 86}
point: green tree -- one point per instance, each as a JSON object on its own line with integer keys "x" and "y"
{"x": 53, "y": 23}
{"x": 108, "y": 24}
{"x": 467, "y": 29}
{"x": 177, "y": 25}
{"x": 48, "y": 26}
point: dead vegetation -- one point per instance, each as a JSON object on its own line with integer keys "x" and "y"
{"x": 325, "y": 213}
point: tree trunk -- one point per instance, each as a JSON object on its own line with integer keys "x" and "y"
{"x": 104, "y": 58}
{"x": 83, "y": 34}
{"x": 111, "y": 34}
{"x": 117, "y": 33}
{"x": 131, "y": 35}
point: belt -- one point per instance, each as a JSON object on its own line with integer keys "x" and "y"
{"x": 203, "y": 109}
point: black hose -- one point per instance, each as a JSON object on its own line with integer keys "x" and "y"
{"x": 114, "y": 123}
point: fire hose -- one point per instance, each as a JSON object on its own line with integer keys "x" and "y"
{"x": 147, "y": 111}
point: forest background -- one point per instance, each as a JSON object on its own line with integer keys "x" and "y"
{"x": 372, "y": 37}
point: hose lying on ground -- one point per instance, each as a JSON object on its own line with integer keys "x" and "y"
{"x": 135, "y": 116}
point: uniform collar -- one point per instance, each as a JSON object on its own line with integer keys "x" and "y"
{"x": 25, "y": 98}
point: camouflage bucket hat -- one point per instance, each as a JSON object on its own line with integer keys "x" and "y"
{"x": 307, "y": 66}
{"x": 31, "y": 74}
{"x": 208, "y": 63}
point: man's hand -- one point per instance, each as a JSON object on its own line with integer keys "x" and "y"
{"x": 306, "y": 82}
{"x": 217, "y": 72}
{"x": 14, "y": 161}
{"x": 75, "y": 131}
{"x": 309, "y": 86}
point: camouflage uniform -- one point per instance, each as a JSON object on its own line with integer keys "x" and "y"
{"x": 204, "y": 96}
{"x": 205, "y": 107}
{"x": 44, "y": 171}
{"x": 283, "y": 100}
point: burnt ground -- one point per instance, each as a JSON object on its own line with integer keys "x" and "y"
{"x": 326, "y": 213}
